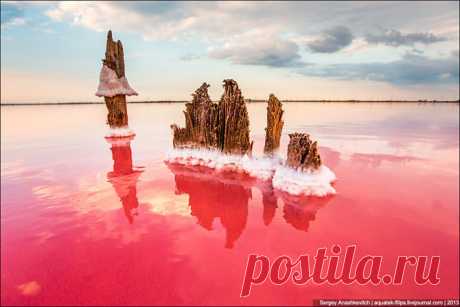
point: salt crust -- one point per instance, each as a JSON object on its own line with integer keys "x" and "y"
{"x": 121, "y": 132}
{"x": 295, "y": 182}
{"x": 110, "y": 85}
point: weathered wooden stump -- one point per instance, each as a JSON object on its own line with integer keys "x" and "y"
{"x": 274, "y": 125}
{"x": 302, "y": 152}
{"x": 233, "y": 121}
{"x": 113, "y": 85}
{"x": 201, "y": 116}
{"x": 223, "y": 126}
{"x": 118, "y": 111}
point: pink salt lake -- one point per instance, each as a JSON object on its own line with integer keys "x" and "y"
{"x": 86, "y": 222}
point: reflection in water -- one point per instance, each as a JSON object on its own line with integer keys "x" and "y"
{"x": 299, "y": 211}
{"x": 210, "y": 198}
{"x": 269, "y": 201}
{"x": 124, "y": 177}
{"x": 226, "y": 196}
{"x": 375, "y": 160}
{"x": 56, "y": 224}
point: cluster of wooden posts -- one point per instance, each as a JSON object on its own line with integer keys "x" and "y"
{"x": 222, "y": 126}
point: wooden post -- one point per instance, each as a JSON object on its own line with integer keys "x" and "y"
{"x": 233, "y": 121}
{"x": 113, "y": 85}
{"x": 302, "y": 152}
{"x": 223, "y": 126}
{"x": 274, "y": 125}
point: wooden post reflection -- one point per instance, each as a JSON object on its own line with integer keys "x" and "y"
{"x": 123, "y": 177}
{"x": 211, "y": 198}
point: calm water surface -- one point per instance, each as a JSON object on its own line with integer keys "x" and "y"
{"x": 87, "y": 222}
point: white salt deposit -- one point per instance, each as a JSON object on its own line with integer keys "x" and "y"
{"x": 110, "y": 85}
{"x": 261, "y": 168}
{"x": 119, "y": 132}
{"x": 317, "y": 183}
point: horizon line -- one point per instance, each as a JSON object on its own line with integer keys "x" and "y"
{"x": 249, "y": 100}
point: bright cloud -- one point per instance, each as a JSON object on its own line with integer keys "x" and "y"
{"x": 259, "y": 48}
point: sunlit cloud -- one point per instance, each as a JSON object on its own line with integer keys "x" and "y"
{"x": 258, "y": 48}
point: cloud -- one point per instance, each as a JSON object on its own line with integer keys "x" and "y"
{"x": 416, "y": 51}
{"x": 153, "y": 20}
{"x": 218, "y": 25}
{"x": 11, "y": 15}
{"x": 409, "y": 70}
{"x": 395, "y": 38}
{"x": 274, "y": 34}
{"x": 332, "y": 40}
{"x": 258, "y": 49}
{"x": 9, "y": 12}
{"x": 190, "y": 57}
{"x": 166, "y": 20}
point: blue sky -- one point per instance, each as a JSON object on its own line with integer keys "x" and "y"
{"x": 52, "y": 51}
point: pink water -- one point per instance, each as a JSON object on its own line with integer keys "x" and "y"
{"x": 85, "y": 223}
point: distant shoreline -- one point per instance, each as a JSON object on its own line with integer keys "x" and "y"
{"x": 247, "y": 100}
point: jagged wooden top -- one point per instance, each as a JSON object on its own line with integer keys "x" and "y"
{"x": 233, "y": 120}
{"x": 201, "y": 116}
{"x": 114, "y": 57}
{"x": 302, "y": 152}
{"x": 223, "y": 126}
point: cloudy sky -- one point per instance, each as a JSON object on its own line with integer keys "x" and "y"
{"x": 52, "y": 51}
